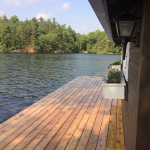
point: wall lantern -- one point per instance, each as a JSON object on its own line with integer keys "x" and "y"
{"x": 125, "y": 25}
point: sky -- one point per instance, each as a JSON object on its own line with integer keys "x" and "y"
{"x": 76, "y": 13}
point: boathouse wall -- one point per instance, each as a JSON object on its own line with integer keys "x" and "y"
{"x": 136, "y": 110}
{"x": 130, "y": 107}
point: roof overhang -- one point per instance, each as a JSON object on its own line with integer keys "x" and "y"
{"x": 108, "y": 10}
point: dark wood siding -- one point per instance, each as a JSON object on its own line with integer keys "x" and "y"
{"x": 130, "y": 107}
{"x": 136, "y": 111}
{"x": 143, "y": 122}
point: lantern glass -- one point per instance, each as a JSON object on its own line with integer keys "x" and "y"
{"x": 126, "y": 28}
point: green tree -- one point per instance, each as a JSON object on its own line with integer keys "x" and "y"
{"x": 41, "y": 19}
{"x": 48, "y": 36}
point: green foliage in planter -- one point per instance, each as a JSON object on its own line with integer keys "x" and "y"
{"x": 116, "y": 62}
{"x": 114, "y": 76}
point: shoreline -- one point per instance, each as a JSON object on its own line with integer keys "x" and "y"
{"x": 58, "y": 53}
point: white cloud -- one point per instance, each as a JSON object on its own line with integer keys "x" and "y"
{"x": 1, "y": 12}
{"x": 18, "y": 2}
{"x": 44, "y": 15}
{"x": 66, "y": 6}
{"x": 81, "y": 28}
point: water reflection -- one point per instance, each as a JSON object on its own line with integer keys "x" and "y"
{"x": 26, "y": 78}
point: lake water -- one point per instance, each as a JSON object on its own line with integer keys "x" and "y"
{"x": 26, "y": 78}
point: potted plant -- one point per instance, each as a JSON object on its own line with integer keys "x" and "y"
{"x": 113, "y": 84}
{"x": 116, "y": 64}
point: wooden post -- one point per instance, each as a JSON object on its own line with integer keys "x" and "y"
{"x": 143, "y": 122}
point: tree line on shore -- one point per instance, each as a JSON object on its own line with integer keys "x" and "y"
{"x": 49, "y": 36}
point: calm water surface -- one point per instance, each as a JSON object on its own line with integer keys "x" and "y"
{"x": 26, "y": 78}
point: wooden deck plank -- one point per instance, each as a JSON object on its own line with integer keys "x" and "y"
{"x": 74, "y": 116}
{"x": 111, "y": 140}
{"x": 101, "y": 145}
{"x": 119, "y": 103}
{"x": 39, "y": 114}
{"x": 110, "y": 148}
{"x": 120, "y": 135}
{"x": 49, "y": 123}
{"x": 114, "y": 102}
{"x": 14, "y": 120}
{"x": 78, "y": 132}
{"x": 77, "y": 106}
{"x": 53, "y": 143}
{"x": 88, "y": 128}
{"x": 96, "y": 128}
{"x": 65, "y": 139}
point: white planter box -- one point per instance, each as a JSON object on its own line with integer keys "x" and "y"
{"x": 114, "y": 90}
{"x": 116, "y": 67}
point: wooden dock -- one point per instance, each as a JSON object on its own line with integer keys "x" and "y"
{"x": 74, "y": 116}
